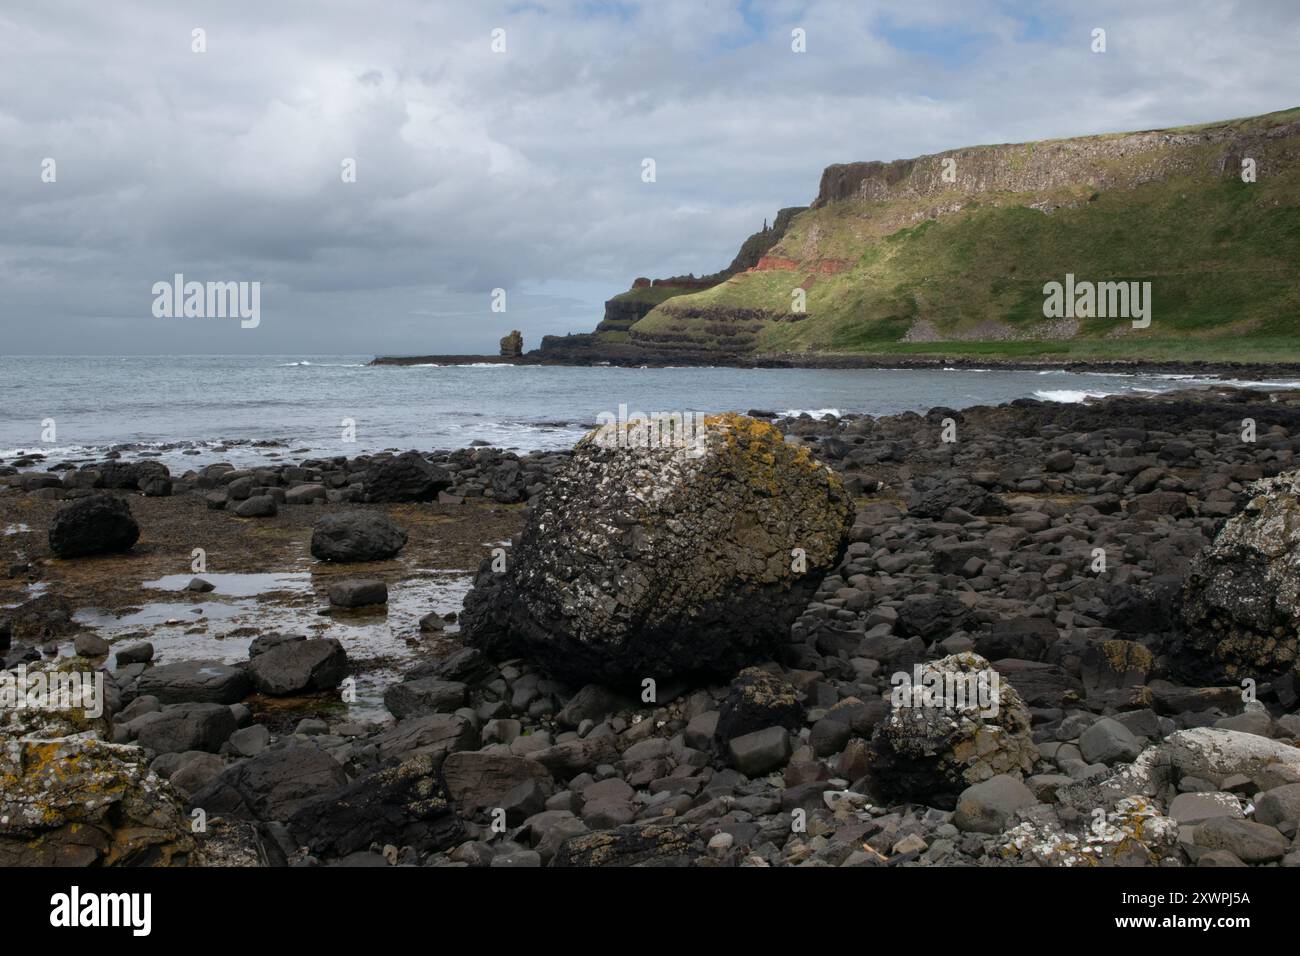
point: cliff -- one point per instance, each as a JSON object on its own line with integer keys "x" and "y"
{"x": 949, "y": 254}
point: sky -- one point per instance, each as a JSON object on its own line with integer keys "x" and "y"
{"x": 519, "y": 167}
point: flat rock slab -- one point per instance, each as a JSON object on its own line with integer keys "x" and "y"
{"x": 210, "y": 682}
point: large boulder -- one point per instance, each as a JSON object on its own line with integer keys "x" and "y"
{"x": 130, "y": 474}
{"x": 272, "y": 785}
{"x": 299, "y": 666}
{"x": 356, "y": 536}
{"x": 932, "y": 746}
{"x": 683, "y": 557}
{"x": 78, "y": 801}
{"x": 182, "y": 728}
{"x": 404, "y": 477}
{"x": 99, "y": 524}
{"x": 1241, "y": 597}
{"x": 210, "y": 682}
{"x": 759, "y": 699}
{"x": 404, "y": 804}
{"x": 480, "y": 781}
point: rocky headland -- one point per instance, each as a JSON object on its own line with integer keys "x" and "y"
{"x": 945, "y": 258}
{"x": 704, "y": 655}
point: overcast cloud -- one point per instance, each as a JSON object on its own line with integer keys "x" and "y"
{"x": 519, "y": 170}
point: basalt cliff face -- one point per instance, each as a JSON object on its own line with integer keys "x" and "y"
{"x": 950, "y": 253}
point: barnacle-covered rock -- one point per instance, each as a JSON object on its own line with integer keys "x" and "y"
{"x": 1241, "y": 597}
{"x": 649, "y": 557}
{"x": 953, "y": 723}
{"x": 1134, "y": 833}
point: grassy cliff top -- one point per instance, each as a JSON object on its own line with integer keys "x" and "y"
{"x": 949, "y": 254}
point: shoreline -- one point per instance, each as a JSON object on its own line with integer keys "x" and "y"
{"x": 985, "y": 546}
{"x": 1211, "y": 369}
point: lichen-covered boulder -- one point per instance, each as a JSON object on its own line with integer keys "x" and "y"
{"x": 1204, "y": 753}
{"x": 1133, "y": 833}
{"x": 1241, "y": 596}
{"x": 78, "y": 801}
{"x": 645, "y": 558}
{"x": 933, "y": 746}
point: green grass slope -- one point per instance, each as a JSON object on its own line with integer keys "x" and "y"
{"x": 896, "y": 260}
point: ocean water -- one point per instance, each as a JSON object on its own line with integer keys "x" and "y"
{"x": 220, "y": 406}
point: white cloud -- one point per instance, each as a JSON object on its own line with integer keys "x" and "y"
{"x": 522, "y": 170}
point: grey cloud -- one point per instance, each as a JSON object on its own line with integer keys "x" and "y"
{"x": 521, "y": 170}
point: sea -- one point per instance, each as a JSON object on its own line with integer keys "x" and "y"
{"x": 191, "y": 409}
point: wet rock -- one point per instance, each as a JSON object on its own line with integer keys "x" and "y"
{"x": 402, "y": 804}
{"x": 90, "y": 645}
{"x": 642, "y": 562}
{"x": 299, "y": 666}
{"x": 356, "y": 536}
{"x": 138, "y": 653}
{"x": 358, "y": 592}
{"x": 195, "y": 681}
{"x": 100, "y": 524}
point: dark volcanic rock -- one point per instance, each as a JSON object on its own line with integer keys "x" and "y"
{"x": 756, "y": 700}
{"x": 185, "y": 727}
{"x": 404, "y": 804}
{"x": 272, "y": 785}
{"x": 1242, "y": 593}
{"x": 406, "y": 477}
{"x": 100, "y": 524}
{"x": 649, "y": 562}
{"x": 635, "y": 845}
{"x": 299, "y": 666}
{"x": 198, "y": 681}
{"x": 356, "y": 536}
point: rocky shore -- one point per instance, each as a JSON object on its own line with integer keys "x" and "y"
{"x": 703, "y": 656}
{"x": 579, "y": 349}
